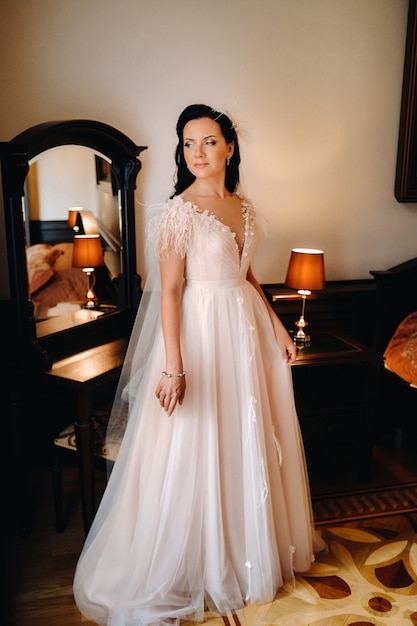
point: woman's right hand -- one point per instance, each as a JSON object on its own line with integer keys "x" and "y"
{"x": 170, "y": 391}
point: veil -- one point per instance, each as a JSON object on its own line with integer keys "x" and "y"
{"x": 133, "y": 378}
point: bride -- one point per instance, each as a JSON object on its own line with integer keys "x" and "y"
{"x": 208, "y": 503}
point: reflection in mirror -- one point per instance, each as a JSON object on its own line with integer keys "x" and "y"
{"x": 70, "y": 191}
{"x": 33, "y": 219}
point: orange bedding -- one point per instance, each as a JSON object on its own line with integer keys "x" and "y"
{"x": 401, "y": 353}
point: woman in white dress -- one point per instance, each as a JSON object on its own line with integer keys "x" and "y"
{"x": 208, "y": 503}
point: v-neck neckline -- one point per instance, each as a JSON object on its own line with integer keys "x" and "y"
{"x": 216, "y": 218}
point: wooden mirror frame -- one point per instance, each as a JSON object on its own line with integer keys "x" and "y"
{"x": 15, "y": 157}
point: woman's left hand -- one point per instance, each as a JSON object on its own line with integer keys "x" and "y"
{"x": 289, "y": 352}
{"x": 285, "y": 343}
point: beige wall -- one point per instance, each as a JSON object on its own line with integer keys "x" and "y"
{"x": 316, "y": 84}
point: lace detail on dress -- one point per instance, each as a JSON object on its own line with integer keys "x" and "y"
{"x": 172, "y": 228}
{"x": 248, "y": 565}
{"x": 248, "y": 327}
{"x": 252, "y": 439}
{"x": 216, "y": 222}
{"x": 278, "y": 447}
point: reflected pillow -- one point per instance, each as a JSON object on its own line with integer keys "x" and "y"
{"x": 401, "y": 353}
{"x": 41, "y": 259}
{"x": 67, "y": 283}
{"x": 64, "y": 257}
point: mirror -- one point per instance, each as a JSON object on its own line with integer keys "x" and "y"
{"x": 70, "y": 182}
{"x": 47, "y": 170}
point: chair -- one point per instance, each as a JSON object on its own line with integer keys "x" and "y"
{"x": 105, "y": 451}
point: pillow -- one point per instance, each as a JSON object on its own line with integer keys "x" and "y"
{"x": 40, "y": 261}
{"x": 401, "y": 353}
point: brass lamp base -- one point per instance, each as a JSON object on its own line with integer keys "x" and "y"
{"x": 301, "y": 339}
{"x": 92, "y": 300}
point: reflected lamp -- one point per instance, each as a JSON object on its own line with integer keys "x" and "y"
{"x": 305, "y": 274}
{"x": 74, "y": 218}
{"x": 87, "y": 253}
{"x": 82, "y": 221}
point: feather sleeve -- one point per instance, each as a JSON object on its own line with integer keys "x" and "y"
{"x": 171, "y": 229}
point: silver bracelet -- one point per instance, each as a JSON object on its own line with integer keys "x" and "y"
{"x": 173, "y": 375}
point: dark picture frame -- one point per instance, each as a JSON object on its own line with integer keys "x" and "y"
{"x": 406, "y": 172}
{"x": 105, "y": 176}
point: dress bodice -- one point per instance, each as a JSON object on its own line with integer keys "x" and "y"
{"x": 210, "y": 246}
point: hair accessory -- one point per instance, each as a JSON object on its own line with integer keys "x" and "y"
{"x": 239, "y": 129}
{"x": 218, "y": 116}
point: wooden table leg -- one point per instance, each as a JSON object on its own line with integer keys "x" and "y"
{"x": 373, "y": 367}
{"x": 19, "y": 468}
{"x": 84, "y": 436}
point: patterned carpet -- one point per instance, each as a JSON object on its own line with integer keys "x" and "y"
{"x": 368, "y": 577}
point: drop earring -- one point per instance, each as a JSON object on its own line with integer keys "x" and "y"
{"x": 227, "y": 161}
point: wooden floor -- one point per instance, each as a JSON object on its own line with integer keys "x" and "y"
{"x": 40, "y": 567}
{"x": 38, "y": 572}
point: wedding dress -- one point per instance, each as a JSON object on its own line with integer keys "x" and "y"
{"x": 209, "y": 507}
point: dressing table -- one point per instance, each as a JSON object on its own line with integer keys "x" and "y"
{"x": 60, "y": 367}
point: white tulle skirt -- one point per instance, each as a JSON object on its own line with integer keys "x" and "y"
{"x": 209, "y": 507}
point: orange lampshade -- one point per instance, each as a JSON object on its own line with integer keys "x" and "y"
{"x": 87, "y": 251}
{"x": 73, "y": 215}
{"x": 306, "y": 269}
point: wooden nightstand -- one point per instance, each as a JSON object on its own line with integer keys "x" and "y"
{"x": 335, "y": 384}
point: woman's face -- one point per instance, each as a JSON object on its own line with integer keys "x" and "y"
{"x": 205, "y": 148}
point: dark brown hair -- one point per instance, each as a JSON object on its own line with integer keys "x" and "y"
{"x": 195, "y": 112}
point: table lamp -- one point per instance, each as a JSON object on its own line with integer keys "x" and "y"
{"x": 306, "y": 274}
{"x": 87, "y": 253}
{"x": 74, "y": 218}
